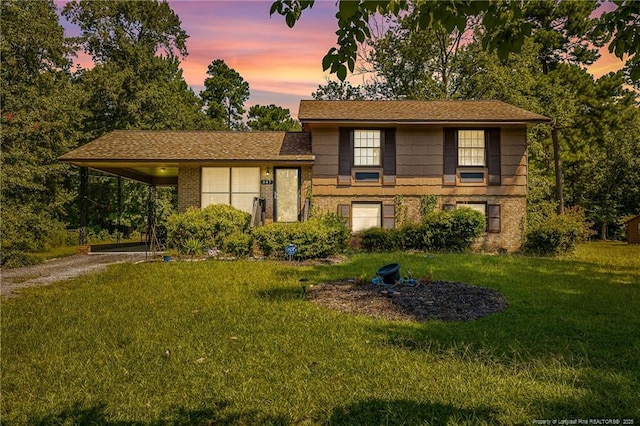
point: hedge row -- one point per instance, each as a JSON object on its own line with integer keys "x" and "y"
{"x": 320, "y": 236}
{"x": 224, "y": 228}
{"x": 450, "y": 230}
{"x": 227, "y": 229}
{"x": 210, "y": 226}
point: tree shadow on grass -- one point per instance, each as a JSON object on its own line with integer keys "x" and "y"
{"x": 282, "y": 293}
{"x": 405, "y": 412}
{"x": 221, "y": 413}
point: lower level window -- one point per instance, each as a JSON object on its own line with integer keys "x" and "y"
{"x": 365, "y": 216}
{"x": 236, "y": 186}
{"x": 491, "y": 213}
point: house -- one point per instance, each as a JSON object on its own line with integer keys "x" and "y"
{"x": 633, "y": 230}
{"x": 365, "y": 160}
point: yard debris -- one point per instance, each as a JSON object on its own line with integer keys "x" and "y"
{"x": 200, "y": 360}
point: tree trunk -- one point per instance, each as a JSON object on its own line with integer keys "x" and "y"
{"x": 604, "y": 231}
{"x": 558, "y": 169}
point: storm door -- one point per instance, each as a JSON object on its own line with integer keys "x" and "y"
{"x": 286, "y": 195}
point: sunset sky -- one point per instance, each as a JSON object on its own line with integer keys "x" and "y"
{"x": 282, "y": 65}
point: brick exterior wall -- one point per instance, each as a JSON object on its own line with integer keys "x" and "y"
{"x": 188, "y": 187}
{"x": 512, "y": 215}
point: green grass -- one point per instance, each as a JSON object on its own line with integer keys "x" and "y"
{"x": 246, "y": 349}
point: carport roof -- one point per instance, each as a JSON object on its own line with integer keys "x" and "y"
{"x": 144, "y": 145}
{"x": 154, "y": 156}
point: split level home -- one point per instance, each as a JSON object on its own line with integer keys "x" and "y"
{"x": 364, "y": 160}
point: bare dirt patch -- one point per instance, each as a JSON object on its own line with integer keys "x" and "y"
{"x": 427, "y": 300}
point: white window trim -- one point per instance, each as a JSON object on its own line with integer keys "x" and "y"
{"x": 472, "y": 135}
{"x": 376, "y": 151}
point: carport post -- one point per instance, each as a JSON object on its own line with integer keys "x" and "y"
{"x": 84, "y": 187}
{"x": 119, "y": 209}
{"x": 151, "y": 213}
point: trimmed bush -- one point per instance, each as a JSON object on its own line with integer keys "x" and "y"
{"x": 445, "y": 230}
{"x": 209, "y": 225}
{"x": 238, "y": 245}
{"x": 452, "y": 230}
{"x": 410, "y": 237}
{"x": 320, "y": 236}
{"x": 379, "y": 239}
{"x": 559, "y": 234}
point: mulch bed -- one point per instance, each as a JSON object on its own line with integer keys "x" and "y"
{"x": 427, "y": 300}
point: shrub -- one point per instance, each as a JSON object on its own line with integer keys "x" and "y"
{"x": 446, "y": 230}
{"x": 192, "y": 246}
{"x": 238, "y": 245}
{"x": 467, "y": 225}
{"x": 410, "y": 237}
{"x": 452, "y": 230}
{"x": 320, "y": 236}
{"x": 18, "y": 259}
{"x": 209, "y": 225}
{"x": 557, "y": 235}
{"x": 379, "y": 239}
{"x": 24, "y": 230}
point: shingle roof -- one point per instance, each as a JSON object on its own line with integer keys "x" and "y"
{"x": 195, "y": 146}
{"x": 415, "y": 111}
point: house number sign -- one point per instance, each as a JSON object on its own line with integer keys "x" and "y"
{"x": 266, "y": 182}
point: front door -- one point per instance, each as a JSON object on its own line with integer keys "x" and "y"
{"x": 286, "y": 195}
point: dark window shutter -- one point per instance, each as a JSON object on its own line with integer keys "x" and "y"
{"x": 389, "y": 152}
{"x": 345, "y": 151}
{"x": 493, "y": 218}
{"x": 389, "y": 216}
{"x": 450, "y": 156}
{"x": 344, "y": 211}
{"x": 493, "y": 156}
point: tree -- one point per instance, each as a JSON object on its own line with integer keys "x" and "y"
{"x": 136, "y": 83}
{"x": 603, "y": 173}
{"x": 410, "y": 62}
{"x": 565, "y": 34}
{"x": 622, "y": 27}
{"x": 502, "y": 20}
{"x": 127, "y": 33}
{"x": 271, "y": 117}
{"x": 225, "y": 94}
{"x": 505, "y": 24}
{"x": 338, "y": 90}
{"x": 39, "y": 122}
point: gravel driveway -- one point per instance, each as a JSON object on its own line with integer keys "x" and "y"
{"x": 59, "y": 270}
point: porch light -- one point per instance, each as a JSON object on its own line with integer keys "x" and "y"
{"x": 268, "y": 171}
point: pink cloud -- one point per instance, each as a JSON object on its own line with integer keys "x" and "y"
{"x": 279, "y": 63}
{"x": 271, "y": 57}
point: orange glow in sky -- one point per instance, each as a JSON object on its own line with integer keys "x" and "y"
{"x": 282, "y": 65}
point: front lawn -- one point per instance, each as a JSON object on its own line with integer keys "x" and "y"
{"x": 245, "y": 348}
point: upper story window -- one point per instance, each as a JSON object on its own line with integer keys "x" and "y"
{"x": 471, "y": 148}
{"x": 366, "y": 148}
